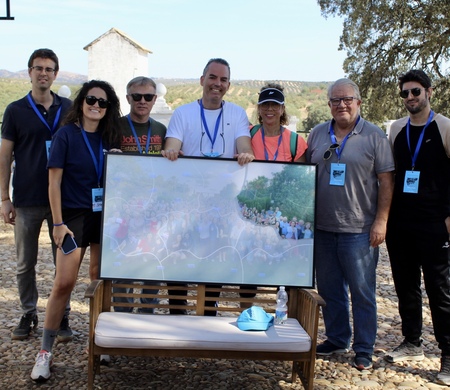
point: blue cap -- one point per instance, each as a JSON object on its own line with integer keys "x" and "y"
{"x": 254, "y": 318}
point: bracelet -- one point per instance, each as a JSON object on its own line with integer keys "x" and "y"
{"x": 58, "y": 224}
{"x": 5, "y": 199}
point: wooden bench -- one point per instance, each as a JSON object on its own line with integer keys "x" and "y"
{"x": 198, "y": 336}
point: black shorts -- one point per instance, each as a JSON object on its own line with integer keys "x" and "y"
{"x": 85, "y": 225}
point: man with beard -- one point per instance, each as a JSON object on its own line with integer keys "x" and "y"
{"x": 419, "y": 223}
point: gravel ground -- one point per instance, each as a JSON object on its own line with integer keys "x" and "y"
{"x": 70, "y": 367}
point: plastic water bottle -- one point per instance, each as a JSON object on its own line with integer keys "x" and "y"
{"x": 281, "y": 311}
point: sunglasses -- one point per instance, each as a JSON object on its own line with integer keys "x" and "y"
{"x": 329, "y": 152}
{"x": 137, "y": 97}
{"x": 415, "y": 92}
{"x": 91, "y": 100}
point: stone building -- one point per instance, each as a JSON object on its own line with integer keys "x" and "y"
{"x": 117, "y": 58}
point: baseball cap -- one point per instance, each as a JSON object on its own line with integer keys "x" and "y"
{"x": 271, "y": 95}
{"x": 254, "y": 318}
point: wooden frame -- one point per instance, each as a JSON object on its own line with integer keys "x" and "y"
{"x": 205, "y": 220}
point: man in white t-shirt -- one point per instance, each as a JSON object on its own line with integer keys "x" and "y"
{"x": 210, "y": 126}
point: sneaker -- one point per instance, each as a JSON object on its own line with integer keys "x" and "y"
{"x": 443, "y": 377}
{"x": 362, "y": 361}
{"x": 23, "y": 330}
{"x": 328, "y": 348}
{"x": 65, "y": 334}
{"x": 105, "y": 360}
{"x": 405, "y": 351}
{"x": 41, "y": 369}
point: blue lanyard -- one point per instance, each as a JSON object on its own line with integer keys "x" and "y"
{"x": 38, "y": 113}
{"x": 98, "y": 164}
{"x": 340, "y": 149}
{"x": 419, "y": 142}
{"x": 149, "y": 134}
{"x": 216, "y": 128}
{"x": 266, "y": 154}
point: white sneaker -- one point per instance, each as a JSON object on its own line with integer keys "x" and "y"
{"x": 41, "y": 369}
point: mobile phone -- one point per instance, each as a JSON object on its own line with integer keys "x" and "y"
{"x": 68, "y": 244}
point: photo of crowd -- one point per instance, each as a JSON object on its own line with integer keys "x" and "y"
{"x": 179, "y": 228}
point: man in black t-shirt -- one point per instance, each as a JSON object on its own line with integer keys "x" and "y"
{"x": 27, "y": 129}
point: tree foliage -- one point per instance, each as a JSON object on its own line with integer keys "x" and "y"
{"x": 291, "y": 189}
{"x": 316, "y": 114}
{"x": 384, "y": 38}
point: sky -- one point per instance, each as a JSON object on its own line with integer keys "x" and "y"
{"x": 261, "y": 39}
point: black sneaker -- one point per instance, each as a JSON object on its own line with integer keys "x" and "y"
{"x": 328, "y": 348}
{"x": 65, "y": 334}
{"x": 443, "y": 377}
{"x": 362, "y": 361}
{"x": 23, "y": 330}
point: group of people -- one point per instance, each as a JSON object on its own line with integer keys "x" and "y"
{"x": 59, "y": 146}
{"x": 287, "y": 228}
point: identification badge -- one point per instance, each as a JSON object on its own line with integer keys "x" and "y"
{"x": 411, "y": 184}
{"x": 47, "y": 147}
{"x": 97, "y": 199}
{"x": 337, "y": 174}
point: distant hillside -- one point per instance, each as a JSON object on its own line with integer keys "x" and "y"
{"x": 63, "y": 77}
{"x": 301, "y": 97}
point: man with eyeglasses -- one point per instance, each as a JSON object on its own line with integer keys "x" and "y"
{"x": 419, "y": 222}
{"x": 143, "y": 135}
{"x": 355, "y": 185}
{"x": 27, "y": 129}
{"x": 210, "y": 126}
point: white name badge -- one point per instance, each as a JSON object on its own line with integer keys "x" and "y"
{"x": 337, "y": 174}
{"x": 411, "y": 184}
{"x": 47, "y": 147}
{"x": 97, "y": 199}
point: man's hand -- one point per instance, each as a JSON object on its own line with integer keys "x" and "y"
{"x": 8, "y": 212}
{"x": 171, "y": 154}
{"x": 244, "y": 158}
{"x": 377, "y": 233}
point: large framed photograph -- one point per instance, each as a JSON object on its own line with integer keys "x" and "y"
{"x": 208, "y": 220}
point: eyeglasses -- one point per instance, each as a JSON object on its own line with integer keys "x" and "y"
{"x": 137, "y": 97}
{"x": 39, "y": 69}
{"x": 415, "y": 92}
{"x": 212, "y": 153}
{"x": 91, "y": 100}
{"x": 270, "y": 105}
{"x": 348, "y": 100}
{"x": 329, "y": 152}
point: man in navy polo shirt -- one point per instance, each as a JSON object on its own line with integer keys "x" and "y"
{"x": 28, "y": 126}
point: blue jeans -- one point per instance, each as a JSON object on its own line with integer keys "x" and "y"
{"x": 26, "y": 233}
{"x": 126, "y": 309}
{"x": 345, "y": 261}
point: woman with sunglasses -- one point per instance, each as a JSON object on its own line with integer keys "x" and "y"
{"x": 75, "y": 167}
{"x": 272, "y": 141}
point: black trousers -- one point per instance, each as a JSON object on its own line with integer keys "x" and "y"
{"x": 415, "y": 249}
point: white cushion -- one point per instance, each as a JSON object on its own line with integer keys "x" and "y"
{"x": 143, "y": 331}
